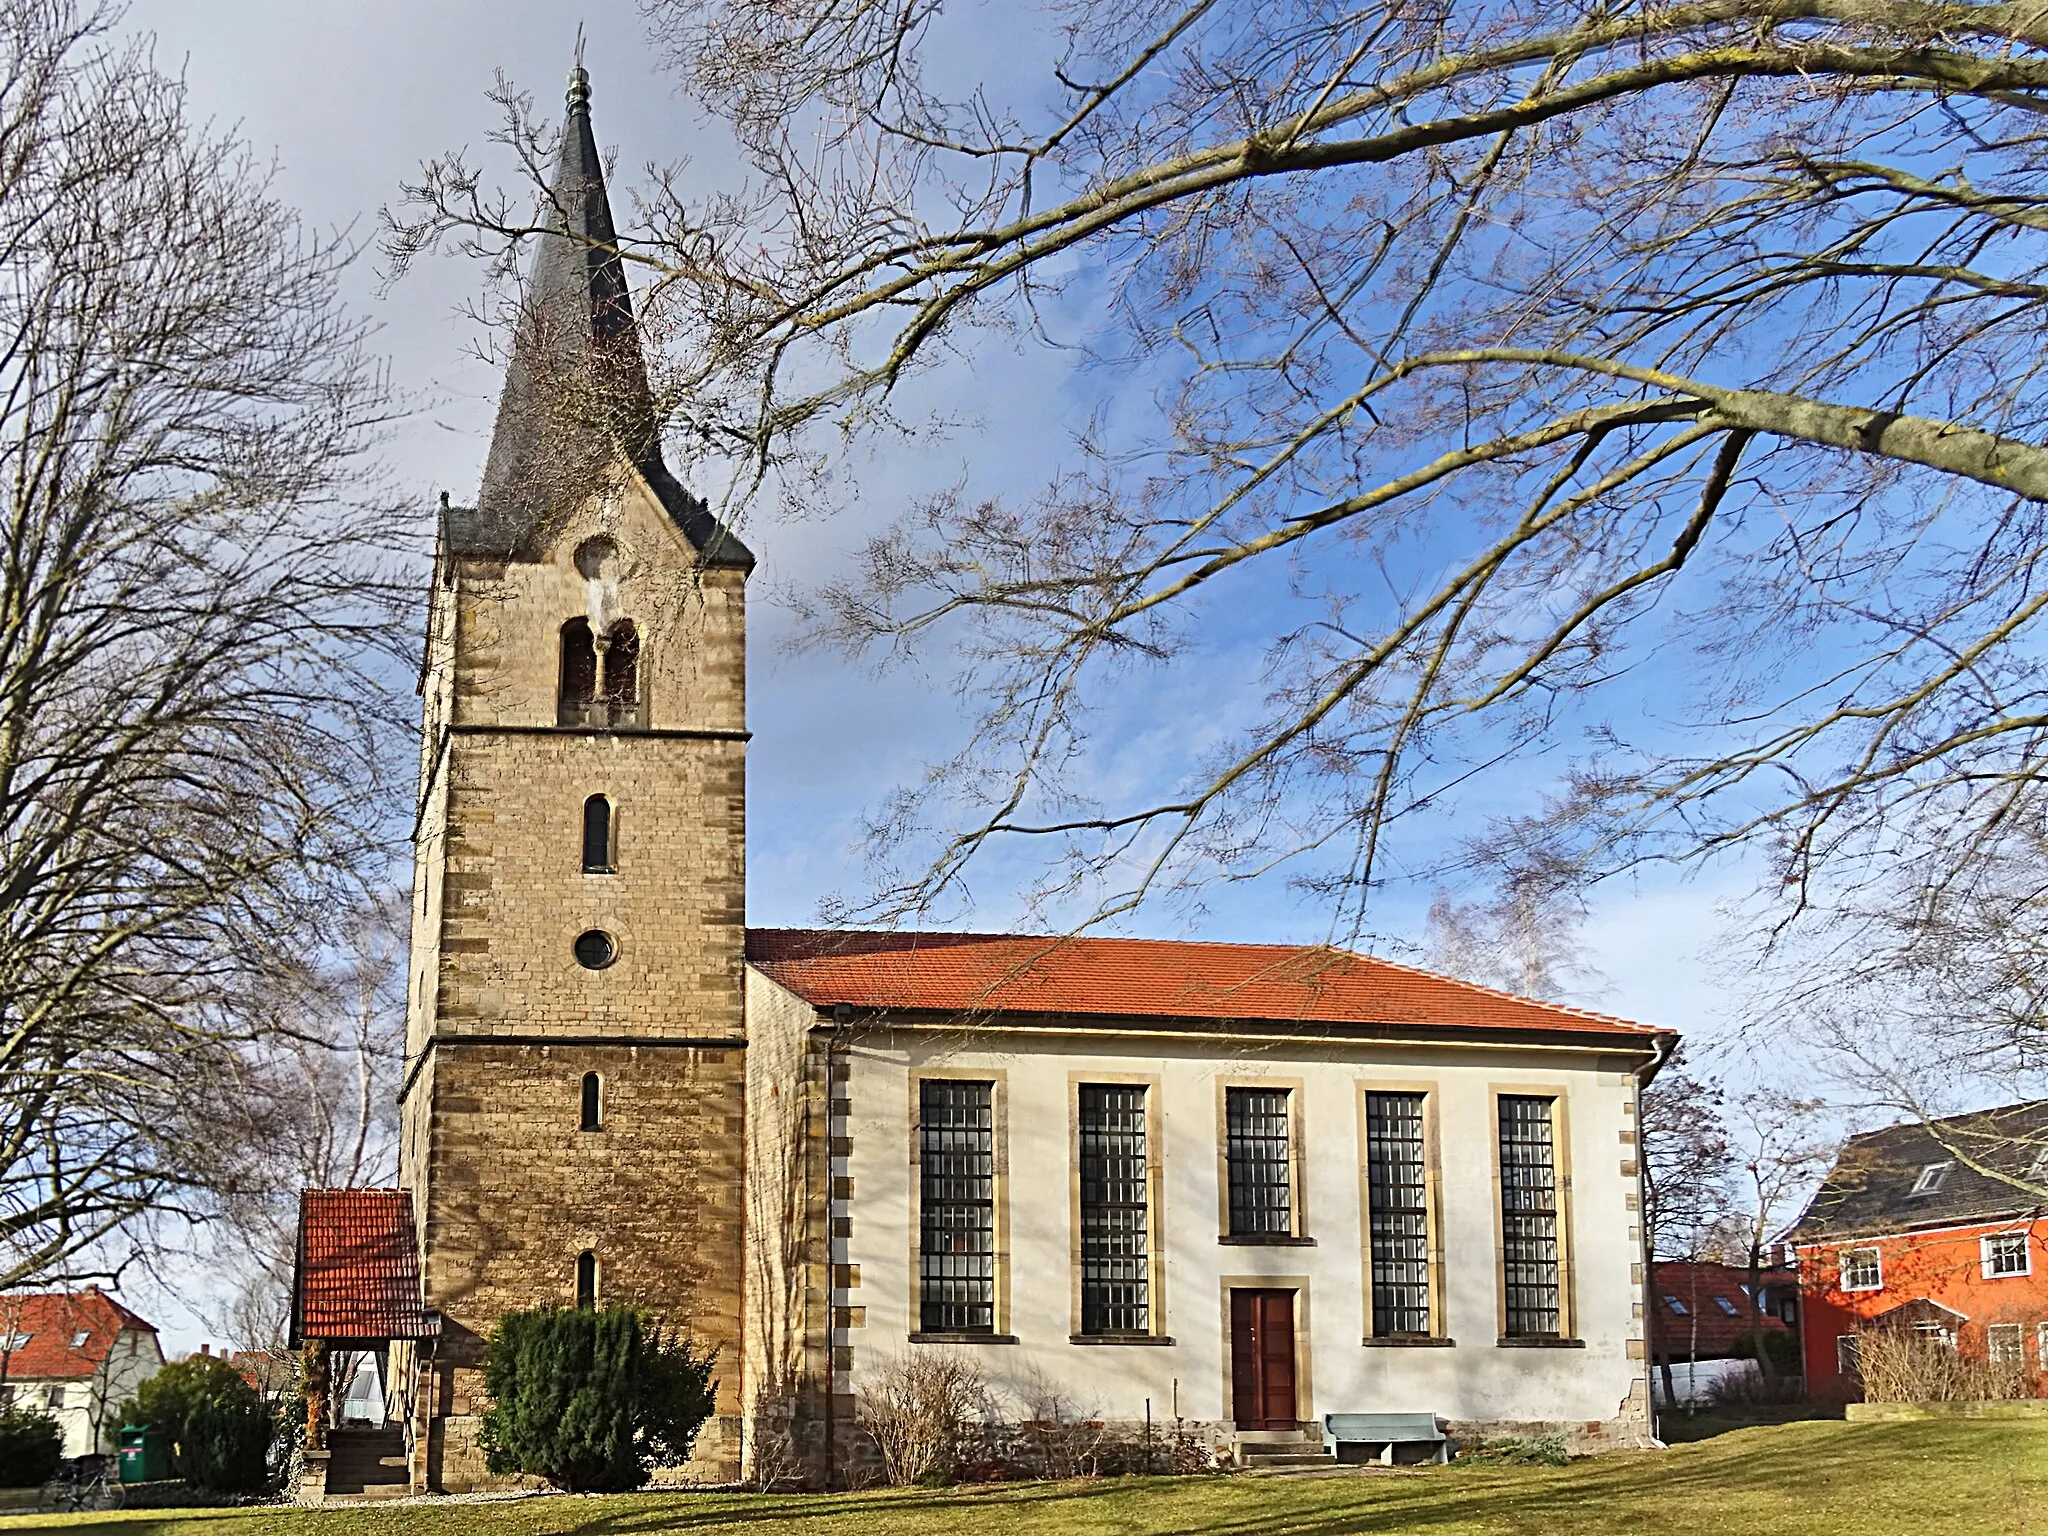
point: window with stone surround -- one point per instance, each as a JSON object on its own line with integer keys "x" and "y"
{"x": 956, "y": 1207}
{"x": 1257, "y": 1124}
{"x": 593, "y": 1102}
{"x": 586, "y": 1279}
{"x": 1530, "y": 1257}
{"x": 1116, "y": 1217}
{"x": 1397, "y": 1196}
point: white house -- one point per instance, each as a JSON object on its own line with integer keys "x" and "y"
{"x": 1242, "y": 1186}
{"x": 76, "y": 1356}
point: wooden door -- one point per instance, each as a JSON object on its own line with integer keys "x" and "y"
{"x": 1262, "y": 1359}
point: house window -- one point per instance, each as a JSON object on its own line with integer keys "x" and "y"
{"x": 956, "y": 1202}
{"x": 2005, "y": 1253}
{"x": 1256, "y": 1150}
{"x": 1398, "y": 1196}
{"x": 593, "y": 1103}
{"x": 597, "y": 836}
{"x": 1862, "y": 1269}
{"x": 586, "y": 1279}
{"x": 2004, "y": 1344}
{"x": 56, "y": 1397}
{"x": 1847, "y": 1362}
{"x": 595, "y": 949}
{"x": 1727, "y": 1306}
{"x": 1676, "y": 1306}
{"x": 78, "y": 1339}
{"x": 14, "y": 1341}
{"x": 1116, "y": 1290}
{"x": 1532, "y": 1273}
{"x": 1931, "y": 1178}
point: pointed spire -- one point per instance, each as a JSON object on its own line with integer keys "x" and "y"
{"x": 576, "y": 399}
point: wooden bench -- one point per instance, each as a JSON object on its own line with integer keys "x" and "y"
{"x": 1373, "y": 1436}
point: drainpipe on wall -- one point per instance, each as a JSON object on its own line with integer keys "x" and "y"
{"x": 834, "y": 1045}
{"x": 1663, "y": 1046}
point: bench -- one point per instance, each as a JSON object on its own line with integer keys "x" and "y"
{"x": 1373, "y": 1436}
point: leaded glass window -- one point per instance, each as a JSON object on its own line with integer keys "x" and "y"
{"x": 956, "y": 1187}
{"x": 1116, "y": 1290}
{"x": 1397, "y": 1191}
{"x": 1528, "y": 1197}
{"x": 1255, "y": 1146}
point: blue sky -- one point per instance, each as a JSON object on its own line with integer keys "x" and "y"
{"x": 351, "y": 97}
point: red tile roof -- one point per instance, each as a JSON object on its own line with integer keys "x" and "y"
{"x": 1701, "y": 1288}
{"x": 50, "y": 1326}
{"x": 359, "y": 1266}
{"x": 1145, "y": 978}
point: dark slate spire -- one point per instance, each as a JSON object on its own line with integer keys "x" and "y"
{"x": 576, "y": 396}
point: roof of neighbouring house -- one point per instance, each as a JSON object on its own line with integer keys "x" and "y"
{"x": 1702, "y": 1287}
{"x": 1871, "y": 1188}
{"x": 358, "y": 1267}
{"x": 64, "y": 1335}
{"x": 1149, "y": 979}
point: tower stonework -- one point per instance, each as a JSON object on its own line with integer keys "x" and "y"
{"x": 579, "y": 903}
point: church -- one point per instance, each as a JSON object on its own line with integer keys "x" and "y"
{"x": 1232, "y": 1188}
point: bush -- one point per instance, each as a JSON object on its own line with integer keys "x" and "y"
{"x": 1898, "y": 1365}
{"x": 591, "y": 1400}
{"x": 1518, "y": 1451}
{"x": 919, "y": 1412}
{"x": 1773, "y": 1346}
{"x": 31, "y": 1445}
{"x": 220, "y": 1427}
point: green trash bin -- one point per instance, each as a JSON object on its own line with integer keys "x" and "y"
{"x": 145, "y": 1454}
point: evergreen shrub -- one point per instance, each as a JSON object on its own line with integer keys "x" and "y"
{"x": 220, "y": 1427}
{"x": 592, "y": 1400}
{"x": 31, "y": 1445}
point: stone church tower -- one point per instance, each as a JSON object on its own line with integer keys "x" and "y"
{"x": 575, "y": 1063}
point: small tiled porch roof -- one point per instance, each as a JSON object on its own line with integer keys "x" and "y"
{"x": 358, "y": 1270}
{"x": 1272, "y": 984}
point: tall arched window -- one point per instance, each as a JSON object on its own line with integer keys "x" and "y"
{"x": 578, "y": 697}
{"x": 597, "y": 836}
{"x": 586, "y": 1279}
{"x": 622, "y": 674}
{"x": 593, "y": 1102}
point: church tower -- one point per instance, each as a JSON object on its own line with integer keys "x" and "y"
{"x": 575, "y": 1044}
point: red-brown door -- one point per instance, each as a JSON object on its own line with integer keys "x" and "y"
{"x": 1262, "y": 1359}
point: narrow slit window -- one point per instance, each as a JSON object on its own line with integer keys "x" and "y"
{"x": 597, "y": 836}
{"x": 1256, "y": 1152}
{"x": 956, "y": 1202}
{"x": 1397, "y": 1192}
{"x": 1528, "y": 1198}
{"x": 593, "y": 1102}
{"x": 586, "y": 1279}
{"x": 578, "y": 696}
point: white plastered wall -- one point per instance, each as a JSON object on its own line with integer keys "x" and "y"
{"x": 1473, "y": 1380}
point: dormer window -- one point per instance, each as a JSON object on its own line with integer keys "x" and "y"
{"x": 600, "y": 675}
{"x": 2037, "y": 1170}
{"x": 1931, "y": 1178}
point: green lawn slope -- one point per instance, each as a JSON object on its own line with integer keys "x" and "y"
{"x": 1807, "y": 1479}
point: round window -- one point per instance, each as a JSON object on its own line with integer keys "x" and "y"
{"x": 595, "y": 949}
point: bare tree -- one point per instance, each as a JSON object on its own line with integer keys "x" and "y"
{"x": 1688, "y": 1171}
{"x": 315, "y": 1107}
{"x": 200, "y": 618}
{"x": 1782, "y": 1144}
{"x": 1676, "y": 364}
{"x": 1524, "y": 938}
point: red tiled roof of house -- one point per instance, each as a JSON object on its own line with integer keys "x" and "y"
{"x": 359, "y": 1266}
{"x": 63, "y": 1336}
{"x": 1701, "y": 1288}
{"x": 1145, "y": 978}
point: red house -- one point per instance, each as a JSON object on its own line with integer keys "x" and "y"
{"x": 1929, "y": 1226}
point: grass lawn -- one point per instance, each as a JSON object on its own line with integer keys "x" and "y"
{"x": 1809, "y": 1479}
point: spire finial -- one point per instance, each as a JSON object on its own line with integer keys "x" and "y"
{"x": 579, "y": 78}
